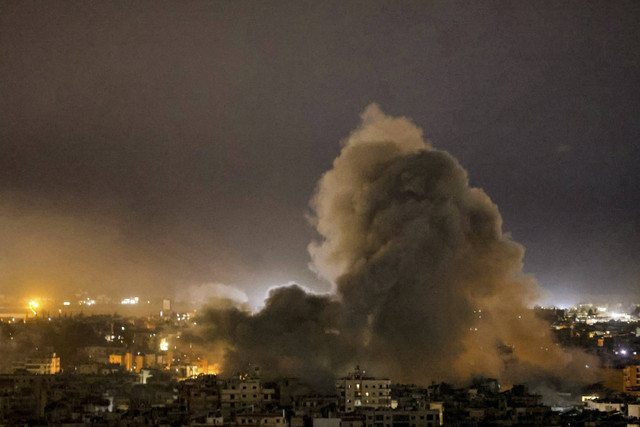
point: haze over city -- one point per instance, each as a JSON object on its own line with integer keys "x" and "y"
{"x": 162, "y": 146}
{"x": 319, "y": 213}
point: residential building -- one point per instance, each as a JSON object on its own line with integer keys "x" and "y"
{"x": 261, "y": 420}
{"x": 247, "y": 393}
{"x": 42, "y": 366}
{"x": 360, "y": 391}
{"x": 399, "y": 418}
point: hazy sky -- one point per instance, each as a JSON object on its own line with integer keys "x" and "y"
{"x": 153, "y": 147}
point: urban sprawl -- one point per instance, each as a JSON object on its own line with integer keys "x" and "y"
{"x": 68, "y": 365}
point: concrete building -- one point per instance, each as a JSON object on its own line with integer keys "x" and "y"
{"x": 41, "y": 366}
{"x": 184, "y": 371}
{"x": 22, "y": 397}
{"x": 126, "y": 360}
{"x": 399, "y": 418}
{"x": 360, "y": 391}
{"x": 135, "y": 362}
{"x": 352, "y": 420}
{"x": 240, "y": 394}
{"x": 200, "y": 394}
{"x": 604, "y": 406}
{"x": 261, "y": 420}
{"x": 624, "y": 380}
{"x": 631, "y": 380}
{"x": 326, "y": 422}
{"x": 98, "y": 354}
{"x": 231, "y": 396}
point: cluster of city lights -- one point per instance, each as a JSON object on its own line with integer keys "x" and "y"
{"x": 624, "y": 352}
{"x": 130, "y": 301}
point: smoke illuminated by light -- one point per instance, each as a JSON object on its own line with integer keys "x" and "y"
{"x": 412, "y": 250}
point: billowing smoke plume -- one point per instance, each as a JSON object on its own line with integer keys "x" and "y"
{"x": 427, "y": 286}
{"x": 295, "y": 334}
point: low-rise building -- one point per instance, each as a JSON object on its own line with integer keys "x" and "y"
{"x": 43, "y": 365}
{"x": 604, "y": 406}
{"x": 238, "y": 394}
{"x": 401, "y": 418}
{"x": 261, "y": 420}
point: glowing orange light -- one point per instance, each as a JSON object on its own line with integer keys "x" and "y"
{"x": 33, "y": 305}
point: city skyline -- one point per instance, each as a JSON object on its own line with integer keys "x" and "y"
{"x": 213, "y": 211}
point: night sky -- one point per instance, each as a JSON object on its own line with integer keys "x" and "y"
{"x": 158, "y": 148}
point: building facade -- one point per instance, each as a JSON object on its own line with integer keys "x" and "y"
{"x": 360, "y": 391}
{"x": 41, "y": 366}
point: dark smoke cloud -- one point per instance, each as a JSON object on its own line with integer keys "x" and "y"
{"x": 295, "y": 334}
{"x": 429, "y": 287}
